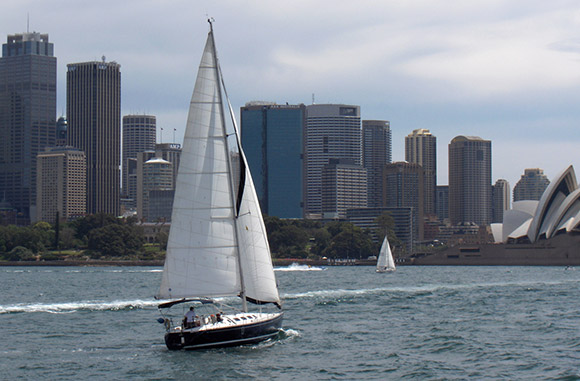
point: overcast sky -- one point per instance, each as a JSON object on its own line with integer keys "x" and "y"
{"x": 507, "y": 71}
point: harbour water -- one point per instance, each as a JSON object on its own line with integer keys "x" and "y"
{"x": 343, "y": 322}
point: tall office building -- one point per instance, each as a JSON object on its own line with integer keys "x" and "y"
{"x": 403, "y": 187}
{"x": 93, "y": 103}
{"x": 531, "y": 185}
{"x": 27, "y": 116}
{"x": 333, "y": 131}
{"x": 421, "y": 148}
{"x": 376, "y": 152}
{"x": 501, "y": 200}
{"x": 172, "y": 153}
{"x": 139, "y": 133}
{"x": 61, "y": 184}
{"x": 157, "y": 175}
{"x": 272, "y": 137}
{"x": 344, "y": 186}
{"x": 470, "y": 180}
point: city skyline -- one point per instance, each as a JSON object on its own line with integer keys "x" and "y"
{"x": 505, "y": 71}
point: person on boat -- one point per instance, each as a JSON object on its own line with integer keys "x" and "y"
{"x": 189, "y": 319}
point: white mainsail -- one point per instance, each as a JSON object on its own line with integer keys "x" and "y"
{"x": 217, "y": 242}
{"x": 385, "y": 261}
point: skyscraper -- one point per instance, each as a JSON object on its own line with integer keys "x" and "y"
{"x": 501, "y": 199}
{"x": 93, "y": 105}
{"x": 139, "y": 133}
{"x": 61, "y": 184}
{"x": 403, "y": 187}
{"x": 344, "y": 186}
{"x": 333, "y": 131}
{"x": 421, "y": 148}
{"x": 27, "y": 116}
{"x": 376, "y": 152}
{"x": 272, "y": 137}
{"x": 470, "y": 180}
{"x": 531, "y": 185}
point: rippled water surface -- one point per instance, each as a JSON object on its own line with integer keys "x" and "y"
{"x": 340, "y": 323}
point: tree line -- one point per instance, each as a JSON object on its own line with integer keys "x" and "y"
{"x": 106, "y": 236}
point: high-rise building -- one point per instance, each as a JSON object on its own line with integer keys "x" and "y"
{"x": 272, "y": 137}
{"x": 421, "y": 148}
{"x": 531, "y": 185}
{"x": 27, "y": 116}
{"x": 61, "y": 184}
{"x": 172, "y": 153}
{"x": 157, "y": 175}
{"x": 403, "y": 187}
{"x": 376, "y": 152}
{"x": 344, "y": 186}
{"x": 501, "y": 200}
{"x": 93, "y": 103}
{"x": 139, "y": 133}
{"x": 333, "y": 131}
{"x": 470, "y": 180}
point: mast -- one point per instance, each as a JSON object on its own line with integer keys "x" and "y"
{"x": 234, "y": 198}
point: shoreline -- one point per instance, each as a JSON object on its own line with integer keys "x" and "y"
{"x": 158, "y": 263}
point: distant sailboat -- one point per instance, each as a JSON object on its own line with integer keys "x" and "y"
{"x": 217, "y": 243}
{"x": 385, "y": 263}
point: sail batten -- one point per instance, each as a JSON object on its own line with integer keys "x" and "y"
{"x": 217, "y": 244}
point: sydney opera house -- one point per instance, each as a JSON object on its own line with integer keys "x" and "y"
{"x": 544, "y": 232}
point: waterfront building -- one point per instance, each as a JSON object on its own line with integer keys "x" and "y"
{"x": 365, "y": 218}
{"x": 139, "y": 134}
{"x": 93, "y": 105}
{"x": 501, "y": 199}
{"x": 273, "y": 141}
{"x": 531, "y": 185}
{"x": 61, "y": 184}
{"x": 333, "y": 131}
{"x": 421, "y": 148}
{"x": 344, "y": 186}
{"x": 470, "y": 180}
{"x": 376, "y": 152}
{"x": 27, "y": 117}
{"x": 403, "y": 187}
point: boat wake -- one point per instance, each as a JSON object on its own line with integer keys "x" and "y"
{"x": 298, "y": 267}
{"x": 413, "y": 291}
{"x": 63, "y": 308}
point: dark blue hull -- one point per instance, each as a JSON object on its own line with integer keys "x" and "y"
{"x": 225, "y": 336}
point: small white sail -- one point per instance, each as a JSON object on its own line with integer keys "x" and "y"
{"x": 217, "y": 238}
{"x": 385, "y": 262}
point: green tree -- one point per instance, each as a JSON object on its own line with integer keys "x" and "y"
{"x": 386, "y": 226}
{"x": 115, "y": 240}
{"x": 19, "y": 253}
{"x": 350, "y": 242}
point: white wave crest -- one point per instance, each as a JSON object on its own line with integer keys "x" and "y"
{"x": 298, "y": 267}
{"x": 76, "y": 306}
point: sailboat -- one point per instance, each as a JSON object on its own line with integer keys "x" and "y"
{"x": 385, "y": 263}
{"x": 217, "y": 248}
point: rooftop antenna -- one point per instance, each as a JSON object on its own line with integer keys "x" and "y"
{"x": 27, "y": 22}
{"x": 312, "y": 98}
